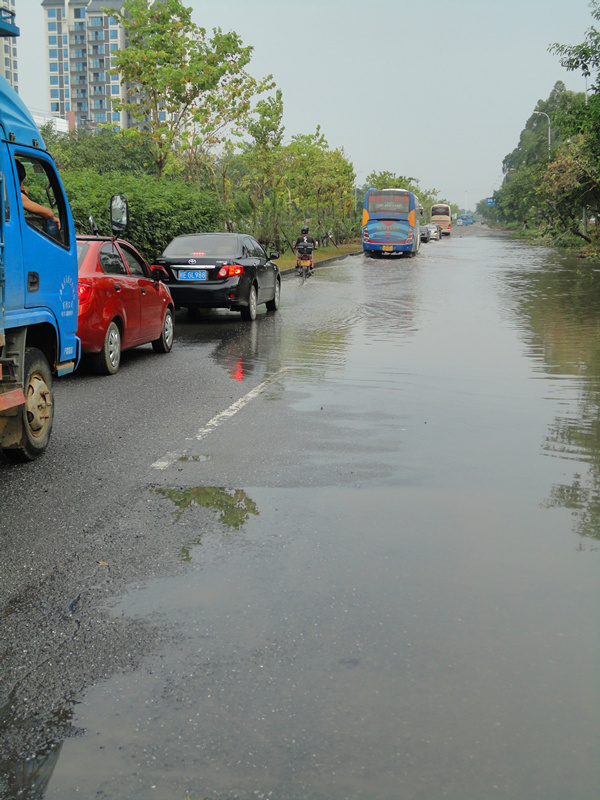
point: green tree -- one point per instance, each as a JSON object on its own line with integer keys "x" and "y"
{"x": 186, "y": 89}
{"x": 106, "y": 150}
{"x": 160, "y": 209}
{"x": 585, "y": 56}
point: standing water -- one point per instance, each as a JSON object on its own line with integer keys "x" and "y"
{"x": 395, "y": 594}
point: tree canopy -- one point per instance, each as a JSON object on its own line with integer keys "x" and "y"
{"x": 184, "y": 88}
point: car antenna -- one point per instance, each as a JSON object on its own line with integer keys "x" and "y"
{"x": 93, "y": 226}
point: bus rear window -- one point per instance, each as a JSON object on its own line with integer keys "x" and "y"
{"x": 388, "y": 202}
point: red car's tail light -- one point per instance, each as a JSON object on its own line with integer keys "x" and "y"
{"x": 84, "y": 292}
{"x": 229, "y": 270}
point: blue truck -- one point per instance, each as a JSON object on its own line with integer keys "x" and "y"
{"x": 38, "y": 282}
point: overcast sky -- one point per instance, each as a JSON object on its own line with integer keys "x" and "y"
{"x": 435, "y": 90}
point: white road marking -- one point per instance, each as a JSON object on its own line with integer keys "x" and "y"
{"x": 170, "y": 458}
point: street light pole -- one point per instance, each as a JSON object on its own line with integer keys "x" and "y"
{"x": 543, "y": 113}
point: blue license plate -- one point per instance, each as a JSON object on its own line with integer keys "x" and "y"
{"x": 192, "y": 275}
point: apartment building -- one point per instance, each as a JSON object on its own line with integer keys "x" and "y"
{"x": 9, "y": 46}
{"x": 79, "y": 38}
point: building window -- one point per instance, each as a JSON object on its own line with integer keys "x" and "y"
{"x": 66, "y": 80}
{"x": 113, "y": 21}
{"x": 52, "y": 40}
{"x": 100, "y": 117}
{"x": 114, "y": 89}
{"x": 96, "y": 22}
{"x": 54, "y": 107}
{"x": 54, "y": 94}
{"x": 66, "y": 94}
{"x": 53, "y": 54}
{"x": 53, "y": 80}
{"x": 114, "y": 47}
{"x": 51, "y": 26}
{"x": 79, "y": 13}
{"x": 51, "y": 13}
{"x": 114, "y": 34}
{"x": 67, "y": 106}
{"x": 54, "y": 67}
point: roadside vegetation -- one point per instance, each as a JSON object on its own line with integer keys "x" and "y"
{"x": 551, "y": 188}
{"x": 207, "y": 151}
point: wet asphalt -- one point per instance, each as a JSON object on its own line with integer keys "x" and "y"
{"x": 326, "y": 554}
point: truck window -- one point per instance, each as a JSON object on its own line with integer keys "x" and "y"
{"x": 42, "y": 188}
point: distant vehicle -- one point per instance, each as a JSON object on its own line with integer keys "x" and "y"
{"x": 425, "y": 233}
{"x": 221, "y": 270}
{"x": 435, "y": 232}
{"x": 122, "y": 302}
{"x": 391, "y": 222}
{"x": 441, "y": 215}
{"x": 467, "y": 219}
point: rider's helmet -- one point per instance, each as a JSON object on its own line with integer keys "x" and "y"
{"x": 304, "y": 230}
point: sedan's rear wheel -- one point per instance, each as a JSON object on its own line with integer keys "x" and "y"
{"x": 249, "y": 312}
{"x": 273, "y": 305}
{"x": 164, "y": 343}
{"x": 107, "y": 361}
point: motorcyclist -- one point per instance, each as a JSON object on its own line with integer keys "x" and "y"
{"x": 305, "y": 245}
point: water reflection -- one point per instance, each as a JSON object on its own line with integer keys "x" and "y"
{"x": 234, "y": 507}
{"x": 560, "y": 299}
{"x": 25, "y": 772}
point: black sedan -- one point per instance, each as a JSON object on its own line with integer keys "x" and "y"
{"x": 221, "y": 270}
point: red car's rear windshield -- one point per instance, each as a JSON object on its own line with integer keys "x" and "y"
{"x": 203, "y": 246}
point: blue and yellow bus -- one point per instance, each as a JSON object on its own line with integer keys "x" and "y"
{"x": 391, "y": 222}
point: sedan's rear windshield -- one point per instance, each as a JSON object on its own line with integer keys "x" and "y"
{"x": 82, "y": 248}
{"x": 203, "y": 246}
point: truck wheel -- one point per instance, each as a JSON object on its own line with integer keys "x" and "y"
{"x": 38, "y": 412}
{"x": 107, "y": 361}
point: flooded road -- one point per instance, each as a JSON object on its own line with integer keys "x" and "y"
{"x": 384, "y": 561}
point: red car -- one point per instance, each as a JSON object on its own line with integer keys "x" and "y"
{"x": 122, "y": 302}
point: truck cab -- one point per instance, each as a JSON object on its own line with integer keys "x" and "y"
{"x": 38, "y": 282}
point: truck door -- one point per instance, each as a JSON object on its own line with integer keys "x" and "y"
{"x": 49, "y": 251}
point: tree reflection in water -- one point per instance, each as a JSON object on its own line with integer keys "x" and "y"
{"x": 561, "y": 303}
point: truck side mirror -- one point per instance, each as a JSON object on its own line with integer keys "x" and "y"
{"x": 119, "y": 213}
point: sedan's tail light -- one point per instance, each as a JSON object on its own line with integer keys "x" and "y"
{"x": 230, "y": 270}
{"x": 84, "y": 292}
